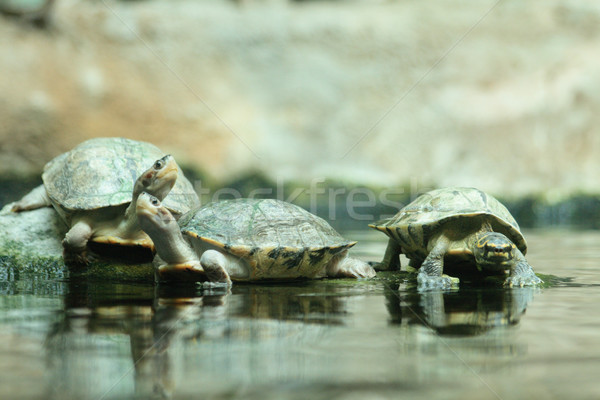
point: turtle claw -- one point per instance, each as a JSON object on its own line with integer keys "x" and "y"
{"x": 78, "y": 259}
{"x": 428, "y": 282}
{"x": 216, "y": 274}
{"x": 7, "y": 209}
{"x": 348, "y": 267}
{"x": 522, "y": 280}
{"x": 358, "y": 269}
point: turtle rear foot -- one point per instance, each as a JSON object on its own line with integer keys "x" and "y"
{"x": 37, "y": 198}
{"x": 350, "y": 268}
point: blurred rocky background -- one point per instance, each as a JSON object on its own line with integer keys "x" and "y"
{"x": 400, "y": 94}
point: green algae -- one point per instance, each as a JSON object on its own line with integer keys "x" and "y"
{"x": 30, "y": 245}
{"x": 117, "y": 272}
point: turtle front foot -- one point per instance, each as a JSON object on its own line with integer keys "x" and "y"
{"x": 213, "y": 263}
{"x": 179, "y": 273}
{"x": 217, "y": 276}
{"x": 522, "y": 280}
{"x": 426, "y": 282}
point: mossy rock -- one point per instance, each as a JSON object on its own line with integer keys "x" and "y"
{"x": 30, "y": 246}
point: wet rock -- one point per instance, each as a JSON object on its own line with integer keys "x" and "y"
{"x": 30, "y": 244}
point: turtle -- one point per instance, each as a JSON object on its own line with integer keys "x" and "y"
{"x": 245, "y": 240}
{"x": 92, "y": 188}
{"x": 459, "y": 222}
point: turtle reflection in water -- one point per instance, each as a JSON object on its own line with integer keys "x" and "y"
{"x": 246, "y": 240}
{"x": 107, "y": 322}
{"x": 94, "y": 187}
{"x": 458, "y": 224}
{"x": 99, "y": 316}
{"x": 464, "y": 312}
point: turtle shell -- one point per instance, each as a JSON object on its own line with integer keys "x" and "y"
{"x": 459, "y": 210}
{"x": 101, "y": 173}
{"x": 277, "y": 239}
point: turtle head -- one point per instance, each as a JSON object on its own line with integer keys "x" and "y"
{"x": 153, "y": 217}
{"x": 159, "y": 179}
{"x": 493, "y": 251}
{"x": 163, "y": 229}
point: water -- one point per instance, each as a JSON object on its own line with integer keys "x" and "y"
{"x": 322, "y": 340}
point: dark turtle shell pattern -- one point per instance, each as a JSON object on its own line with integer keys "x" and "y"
{"x": 276, "y": 238}
{"x": 457, "y": 209}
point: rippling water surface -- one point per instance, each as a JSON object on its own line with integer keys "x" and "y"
{"x": 330, "y": 339}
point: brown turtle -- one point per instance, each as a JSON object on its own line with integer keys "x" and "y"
{"x": 464, "y": 223}
{"x": 246, "y": 240}
{"x": 94, "y": 188}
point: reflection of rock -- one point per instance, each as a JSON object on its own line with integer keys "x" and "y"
{"x": 465, "y": 312}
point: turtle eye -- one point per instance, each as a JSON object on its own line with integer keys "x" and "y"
{"x": 159, "y": 164}
{"x": 482, "y": 242}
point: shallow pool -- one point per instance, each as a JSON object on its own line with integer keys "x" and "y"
{"x": 325, "y": 339}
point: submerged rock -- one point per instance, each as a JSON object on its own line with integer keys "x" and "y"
{"x": 30, "y": 244}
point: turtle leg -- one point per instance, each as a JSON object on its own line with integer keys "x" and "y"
{"x": 37, "y": 198}
{"x": 413, "y": 265}
{"x": 215, "y": 266}
{"x": 184, "y": 272}
{"x": 75, "y": 243}
{"x": 430, "y": 274}
{"x": 521, "y": 273}
{"x": 391, "y": 259}
{"x": 343, "y": 266}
